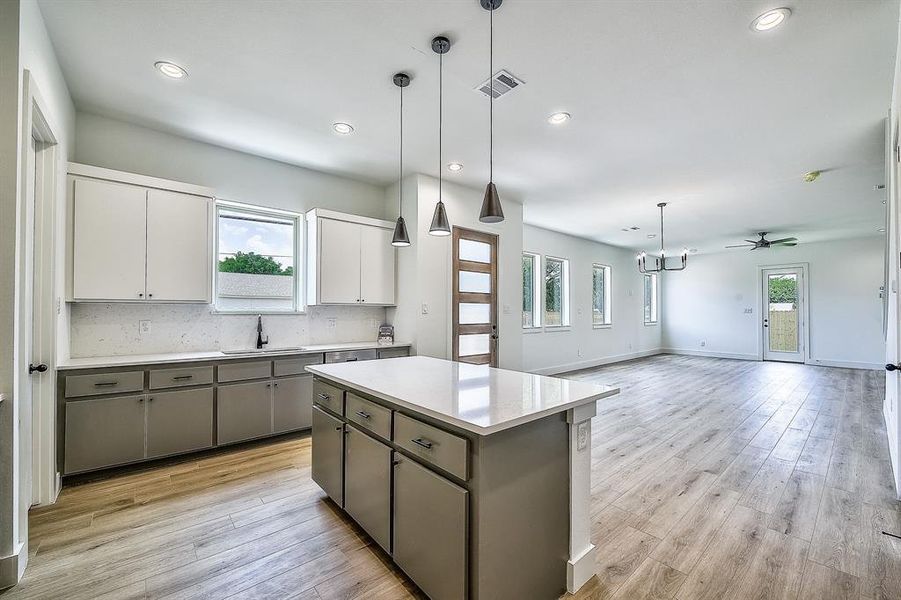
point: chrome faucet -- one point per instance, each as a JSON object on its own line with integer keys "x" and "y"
{"x": 260, "y": 341}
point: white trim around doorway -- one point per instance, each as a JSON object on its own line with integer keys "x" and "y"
{"x": 805, "y": 310}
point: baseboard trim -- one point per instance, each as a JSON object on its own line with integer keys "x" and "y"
{"x": 596, "y": 362}
{"x": 12, "y": 567}
{"x": 709, "y": 354}
{"x": 580, "y": 569}
{"x": 845, "y": 364}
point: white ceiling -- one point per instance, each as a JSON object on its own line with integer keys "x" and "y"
{"x": 677, "y": 101}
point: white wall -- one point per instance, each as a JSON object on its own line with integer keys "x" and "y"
{"x": 425, "y": 274}
{"x": 24, "y": 45}
{"x": 707, "y": 302}
{"x": 101, "y": 329}
{"x": 582, "y": 345}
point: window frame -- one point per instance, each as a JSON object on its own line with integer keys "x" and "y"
{"x": 566, "y": 313}
{"x": 608, "y": 296}
{"x": 655, "y": 299}
{"x": 537, "y": 288}
{"x": 299, "y": 277}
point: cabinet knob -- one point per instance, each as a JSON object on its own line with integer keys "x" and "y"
{"x": 140, "y": 294}
{"x": 150, "y": 295}
{"x": 150, "y": 399}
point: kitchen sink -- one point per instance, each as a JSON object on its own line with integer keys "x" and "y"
{"x": 264, "y": 350}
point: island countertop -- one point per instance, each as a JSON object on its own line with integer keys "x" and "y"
{"x": 476, "y": 398}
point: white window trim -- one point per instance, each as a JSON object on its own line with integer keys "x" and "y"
{"x": 656, "y": 299}
{"x": 299, "y": 257}
{"x": 566, "y": 317}
{"x": 608, "y": 297}
{"x": 537, "y": 288}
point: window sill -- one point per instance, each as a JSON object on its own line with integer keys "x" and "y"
{"x": 530, "y": 330}
{"x": 265, "y": 313}
{"x": 604, "y": 326}
{"x": 557, "y": 328}
{"x": 652, "y": 324}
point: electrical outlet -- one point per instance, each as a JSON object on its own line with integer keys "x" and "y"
{"x": 144, "y": 327}
{"x": 425, "y": 308}
{"x": 582, "y": 435}
{"x": 331, "y": 323}
{"x": 579, "y": 353}
{"x": 749, "y": 311}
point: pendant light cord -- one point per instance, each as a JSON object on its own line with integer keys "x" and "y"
{"x": 661, "y": 233}
{"x": 491, "y": 96}
{"x": 440, "y": 119}
{"x": 400, "y": 181}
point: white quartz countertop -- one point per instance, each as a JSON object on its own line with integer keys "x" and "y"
{"x": 475, "y": 398}
{"x": 96, "y": 362}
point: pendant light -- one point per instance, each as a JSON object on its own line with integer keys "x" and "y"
{"x": 491, "y": 205}
{"x": 401, "y": 238}
{"x": 660, "y": 263}
{"x": 440, "y": 225}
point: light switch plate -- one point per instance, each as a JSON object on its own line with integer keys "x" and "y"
{"x": 144, "y": 327}
{"x": 331, "y": 323}
{"x": 582, "y": 435}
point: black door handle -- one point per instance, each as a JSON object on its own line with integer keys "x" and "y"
{"x": 41, "y": 368}
{"x": 891, "y": 367}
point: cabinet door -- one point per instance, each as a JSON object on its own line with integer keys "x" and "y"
{"x": 104, "y": 432}
{"x": 245, "y": 411}
{"x": 109, "y": 241}
{"x": 292, "y": 402}
{"x": 179, "y": 421}
{"x": 339, "y": 262}
{"x": 367, "y": 485}
{"x": 328, "y": 454}
{"x": 430, "y": 530}
{"x": 178, "y": 247}
{"x": 376, "y": 265}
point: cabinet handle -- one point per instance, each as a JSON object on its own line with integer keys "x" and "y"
{"x": 360, "y": 413}
{"x": 106, "y": 383}
{"x": 338, "y": 428}
{"x": 150, "y": 399}
{"x": 150, "y": 295}
{"x": 354, "y": 359}
{"x": 140, "y": 399}
{"x": 182, "y": 378}
{"x": 140, "y": 294}
{"x": 323, "y": 396}
{"x": 424, "y": 443}
{"x": 275, "y": 384}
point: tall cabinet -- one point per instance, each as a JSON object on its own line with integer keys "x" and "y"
{"x": 137, "y": 238}
{"x": 350, "y": 259}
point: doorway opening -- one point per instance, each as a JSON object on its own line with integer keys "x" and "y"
{"x": 784, "y": 314}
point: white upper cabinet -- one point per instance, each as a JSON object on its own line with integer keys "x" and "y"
{"x": 134, "y": 240}
{"x": 350, "y": 259}
{"x": 109, "y": 252}
{"x": 178, "y": 242}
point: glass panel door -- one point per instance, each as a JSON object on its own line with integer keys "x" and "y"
{"x": 783, "y": 316}
{"x": 474, "y": 297}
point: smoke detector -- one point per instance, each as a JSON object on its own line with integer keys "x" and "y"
{"x": 504, "y": 82}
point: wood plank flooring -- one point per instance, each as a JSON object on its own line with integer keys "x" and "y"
{"x": 711, "y": 479}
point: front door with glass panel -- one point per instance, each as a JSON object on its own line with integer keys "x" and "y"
{"x": 783, "y": 314}
{"x": 475, "y": 297}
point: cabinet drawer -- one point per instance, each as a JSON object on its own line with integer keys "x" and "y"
{"x": 244, "y": 371}
{"x": 169, "y": 378}
{"x": 295, "y": 366}
{"x": 368, "y": 415}
{"x": 393, "y": 352}
{"x": 328, "y": 396}
{"x": 444, "y": 450}
{"x": 104, "y": 383}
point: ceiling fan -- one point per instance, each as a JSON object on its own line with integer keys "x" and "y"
{"x": 765, "y": 243}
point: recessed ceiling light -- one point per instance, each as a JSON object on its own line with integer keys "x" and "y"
{"x": 651, "y": 236}
{"x": 881, "y": 229}
{"x": 454, "y": 167}
{"x": 559, "y": 117}
{"x": 170, "y": 69}
{"x": 343, "y": 128}
{"x": 770, "y": 19}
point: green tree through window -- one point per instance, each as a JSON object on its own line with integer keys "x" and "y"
{"x": 253, "y": 263}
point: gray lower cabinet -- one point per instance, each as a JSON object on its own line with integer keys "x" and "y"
{"x": 328, "y": 454}
{"x": 245, "y": 411}
{"x": 103, "y": 433}
{"x": 367, "y": 484}
{"x": 430, "y": 525}
{"x": 179, "y": 421}
{"x": 292, "y": 400}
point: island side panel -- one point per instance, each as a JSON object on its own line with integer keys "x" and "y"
{"x": 520, "y": 511}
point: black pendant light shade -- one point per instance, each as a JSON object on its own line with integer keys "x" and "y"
{"x": 401, "y": 238}
{"x": 440, "y": 225}
{"x": 491, "y": 205}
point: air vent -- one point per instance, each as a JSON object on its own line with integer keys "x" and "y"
{"x": 504, "y": 82}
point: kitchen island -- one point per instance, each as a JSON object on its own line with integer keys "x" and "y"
{"x": 475, "y": 480}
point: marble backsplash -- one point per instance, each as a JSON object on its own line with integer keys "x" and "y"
{"x": 113, "y": 329}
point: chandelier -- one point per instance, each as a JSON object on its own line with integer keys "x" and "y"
{"x": 660, "y": 262}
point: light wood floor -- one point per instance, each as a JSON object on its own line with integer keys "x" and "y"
{"x": 712, "y": 479}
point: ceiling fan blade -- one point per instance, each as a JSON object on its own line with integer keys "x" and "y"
{"x": 755, "y": 247}
{"x": 783, "y": 240}
{"x": 789, "y": 244}
{"x": 753, "y": 241}
{"x": 741, "y": 245}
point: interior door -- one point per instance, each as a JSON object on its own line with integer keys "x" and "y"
{"x": 178, "y": 247}
{"x": 376, "y": 265}
{"x": 474, "y": 297}
{"x": 783, "y": 314}
{"x": 110, "y": 241}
